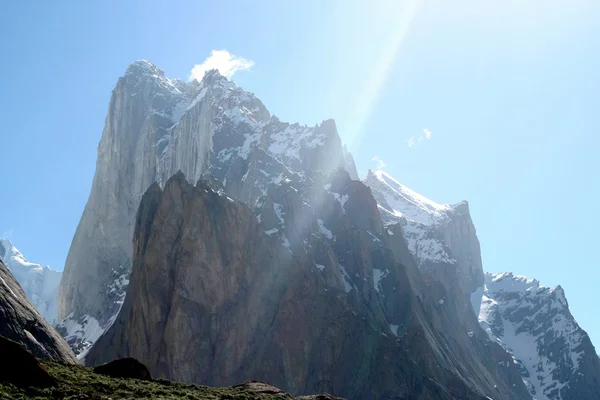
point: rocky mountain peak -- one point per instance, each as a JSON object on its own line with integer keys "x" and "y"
{"x": 441, "y": 237}
{"x": 404, "y": 202}
{"x": 509, "y": 282}
{"x": 534, "y": 324}
{"x": 211, "y": 76}
{"x": 143, "y": 67}
{"x": 154, "y": 129}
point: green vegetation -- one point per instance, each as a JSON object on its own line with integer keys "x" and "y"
{"x": 78, "y": 383}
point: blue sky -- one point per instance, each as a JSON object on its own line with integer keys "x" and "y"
{"x": 508, "y": 90}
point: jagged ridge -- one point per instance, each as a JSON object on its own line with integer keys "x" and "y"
{"x": 533, "y": 322}
{"x": 334, "y": 301}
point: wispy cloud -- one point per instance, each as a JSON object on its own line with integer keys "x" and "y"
{"x": 7, "y": 234}
{"x": 426, "y": 135}
{"x": 380, "y": 163}
{"x": 226, "y": 63}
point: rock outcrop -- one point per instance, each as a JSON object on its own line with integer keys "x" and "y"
{"x": 262, "y": 388}
{"x": 39, "y": 282}
{"x": 21, "y": 323}
{"x": 128, "y": 368}
{"x": 533, "y": 323}
{"x": 309, "y": 298}
{"x": 20, "y": 368}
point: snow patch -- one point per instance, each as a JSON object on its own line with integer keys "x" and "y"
{"x": 375, "y": 238}
{"x": 378, "y": 275}
{"x": 342, "y": 199}
{"x": 278, "y": 208}
{"x": 406, "y": 202}
{"x": 8, "y": 287}
{"x": 346, "y": 278}
{"x": 324, "y": 230}
{"x": 86, "y": 330}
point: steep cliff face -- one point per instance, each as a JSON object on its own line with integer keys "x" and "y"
{"x": 532, "y": 322}
{"x": 154, "y": 127}
{"x": 442, "y": 238}
{"x": 305, "y": 291}
{"x": 142, "y": 109}
{"x": 40, "y": 283}
{"x": 20, "y": 322}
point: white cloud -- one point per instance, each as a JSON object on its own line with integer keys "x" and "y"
{"x": 226, "y": 63}
{"x": 426, "y": 135}
{"x": 380, "y": 163}
{"x": 7, "y": 235}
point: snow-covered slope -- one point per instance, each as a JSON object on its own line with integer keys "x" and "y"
{"x": 404, "y": 202}
{"x": 533, "y": 322}
{"x": 439, "y": 236}
{"x": 40, "y": 283}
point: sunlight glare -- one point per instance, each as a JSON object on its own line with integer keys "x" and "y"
{"x": 406, "y": 10}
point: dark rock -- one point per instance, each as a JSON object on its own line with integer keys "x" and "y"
{"x": 19, "y": 367}
{"x": 214, "y": 300}
{"x": 20, "y": 322}
{"x": 128, "y": 368}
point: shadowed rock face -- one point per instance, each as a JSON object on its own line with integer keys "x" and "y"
{"x": 322, "y": 304}
{"x": 20, "y": 322}
{"x": 20, "y": 367}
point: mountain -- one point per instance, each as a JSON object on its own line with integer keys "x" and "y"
{"x": 301, "y": 261}
{"x": 156, "y": 126}
{"x": 40, "y": 283}
{"x": 441, "y": 238}
{"x": 20, "y": 322}
{"x": 533, "y": 323}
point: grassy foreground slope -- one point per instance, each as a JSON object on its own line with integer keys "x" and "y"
{"x": 78, "y": 382}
